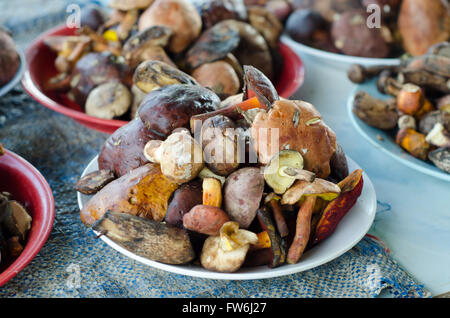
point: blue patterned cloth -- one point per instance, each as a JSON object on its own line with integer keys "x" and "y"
{"x": 73, "y": 263}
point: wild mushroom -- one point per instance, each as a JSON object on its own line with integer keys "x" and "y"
{"x": 108, "y": 100}
{"x": 15, "y": 220}
{"x": 309, "y": 191}
{"x": 151, "y": 75}
{"x": 207, "y": 173}
{"x": 319, "y": 187}
{"x": 9, "y": 58}
{"x": 266, "y": 23}
{"x": 439, "y": 136}
{"x": 180, "y": 156}
{"x": 126, "y": 5}
{"x": 219, "y": 76}
{"x": 441, "y": 158}
{"x": 178, "y": 15}
{"x": 284, "y": 168}
{"x": 137, "y": 45}
{"x": 227, "y": 252}
{"x": 299, "y": 127}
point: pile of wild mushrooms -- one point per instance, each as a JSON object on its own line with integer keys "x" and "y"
{"x": 247, "y": 181}
{"x": 113, "y": 61}
{"x": 418, "y": 112}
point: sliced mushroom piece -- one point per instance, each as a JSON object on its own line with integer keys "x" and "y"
{"x": 15, "y": 220}
{"x": 126, "y": 5}
{"x": 94, "y": 181}
{"x": 284, "y": 168}
{"x": 319, "y": 187}
{"x": 108, "y": 101}
{"x": 258, "y": 83}
{"x": 439, "y": 136}
{"x": 136, "y": 45}
{"x": 151, "y": 75}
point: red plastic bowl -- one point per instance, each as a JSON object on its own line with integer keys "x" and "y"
{"x": 28, "y": 187}
{"x": 40, "y": 61}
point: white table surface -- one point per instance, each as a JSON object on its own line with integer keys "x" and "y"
{"x": 413, "y": 217}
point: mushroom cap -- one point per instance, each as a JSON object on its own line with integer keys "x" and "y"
{"x": 325, "y": 189}
{"x": 274, "y": 179}
{"x": 155, "y": 36}
{"x": 126, "y": 5}
{"x": 227, "y": 252}
{"x": 178, "y": 15}
{"x": 299, "y": 127}
{"x": 109, "y": 100}
{"x": 181, "y": 157}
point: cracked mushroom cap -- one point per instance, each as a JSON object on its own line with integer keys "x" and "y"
{"x": 300, "y": 127}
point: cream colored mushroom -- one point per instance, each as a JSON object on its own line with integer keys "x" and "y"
{"x": 226, "y": 252}
{"x": 180, "y": 156}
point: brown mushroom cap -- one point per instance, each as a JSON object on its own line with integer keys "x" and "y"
{"x": 178, "y": 15}
{"x": 109, "y": 100}
{"x": 155, "y": 36}
{"x": 126, "y": 5}
{"x": 219, "y": 76}
{"x": 300, "y": 128}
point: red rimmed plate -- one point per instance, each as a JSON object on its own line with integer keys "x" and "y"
{"x": 40, "y": 59}
{"x": 28, "y": 187}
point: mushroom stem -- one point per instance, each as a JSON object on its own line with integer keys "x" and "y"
{"x": 279, "y": 218}
{"x": 302, "y": 230}
{"x": 299, "y": 174}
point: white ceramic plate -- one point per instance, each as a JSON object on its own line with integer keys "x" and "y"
{"x": 349, "y": 232}
{"x": 387, "y": 144}
{"x": 16, "y": 79}
{"x": 338, "y": 61}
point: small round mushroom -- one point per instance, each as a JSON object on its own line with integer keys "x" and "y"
{"x": 109, "y": 100}
{"x": 218, "y": 76}
{"x": 178, "y": 15}
{"x": 180, "y": 156}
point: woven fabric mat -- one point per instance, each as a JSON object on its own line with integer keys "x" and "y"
{"x": 73, "y": 263}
